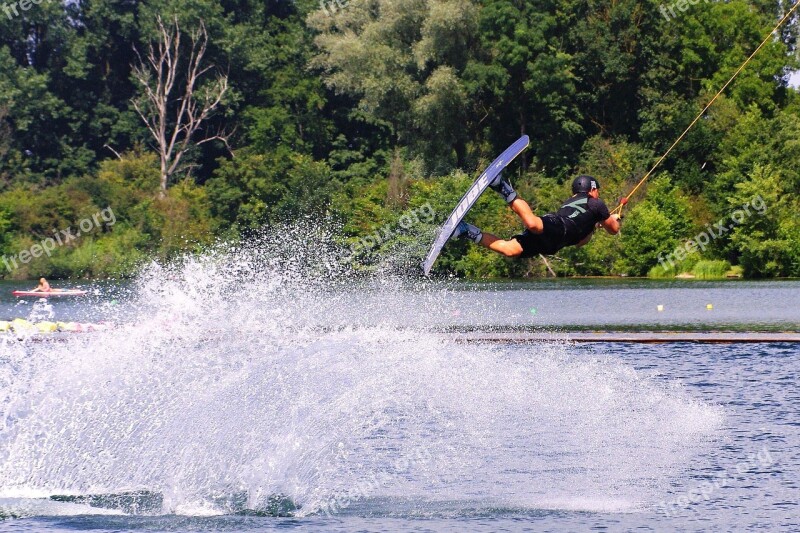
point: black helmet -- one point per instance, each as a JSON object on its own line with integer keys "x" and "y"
{"x": 584, "y": 183}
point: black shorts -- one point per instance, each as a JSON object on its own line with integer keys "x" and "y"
{"x": 553, "y": 239}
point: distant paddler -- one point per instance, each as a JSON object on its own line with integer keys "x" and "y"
{"x": 44, "y": 290}
{"x": 44, "y": 286}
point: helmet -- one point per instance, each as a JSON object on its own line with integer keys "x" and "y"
{"x": 584, "y": 183}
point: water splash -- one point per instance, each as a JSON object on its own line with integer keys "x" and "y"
{"x": 42, "y": 310}
{"x": 269, "y": 378}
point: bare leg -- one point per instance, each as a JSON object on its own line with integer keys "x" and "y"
{"x": 507, "y": 248}
{"x": 533, "y": 223}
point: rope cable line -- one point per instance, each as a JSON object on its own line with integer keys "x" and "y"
{"x": 649, "y": 173}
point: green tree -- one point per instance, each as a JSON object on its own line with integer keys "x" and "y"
{"x": 257, "y": 189}
{"x": 404, "y": 62}
{"x": 766, "y": 242}
{"x": 525, "y": 79}
{"x": 654, "y": 228}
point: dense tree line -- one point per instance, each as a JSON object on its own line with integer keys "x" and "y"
{"x": 357, "y": 111}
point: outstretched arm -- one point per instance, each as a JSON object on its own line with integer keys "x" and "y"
{"x": 611, "y": 224}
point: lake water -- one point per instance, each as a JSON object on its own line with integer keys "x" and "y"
{"x": 315, "y": 402}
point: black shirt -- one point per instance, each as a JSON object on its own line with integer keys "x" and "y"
{"x": 580, "y": 214}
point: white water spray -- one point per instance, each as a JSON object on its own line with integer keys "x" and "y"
{"x": 268, "y": 372}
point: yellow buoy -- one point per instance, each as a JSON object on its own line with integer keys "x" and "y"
{"x": 660, "y": 308}
{"x": 20, "y": 324}
{"x": 47, "y": 327}
{"x": 710, "y": 307}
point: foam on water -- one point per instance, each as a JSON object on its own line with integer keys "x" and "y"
{"x": 253, "y": 379}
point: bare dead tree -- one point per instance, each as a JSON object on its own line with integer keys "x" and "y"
{"x": 174, "y": 114}
{"x": 119, "y": 156}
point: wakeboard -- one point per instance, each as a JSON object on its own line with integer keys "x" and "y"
{"x": 473, "y": 193}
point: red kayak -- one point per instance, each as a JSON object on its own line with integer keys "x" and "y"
{"x": 51, "y": 294}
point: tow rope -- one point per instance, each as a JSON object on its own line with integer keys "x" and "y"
{"x": 624, "y": 201}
